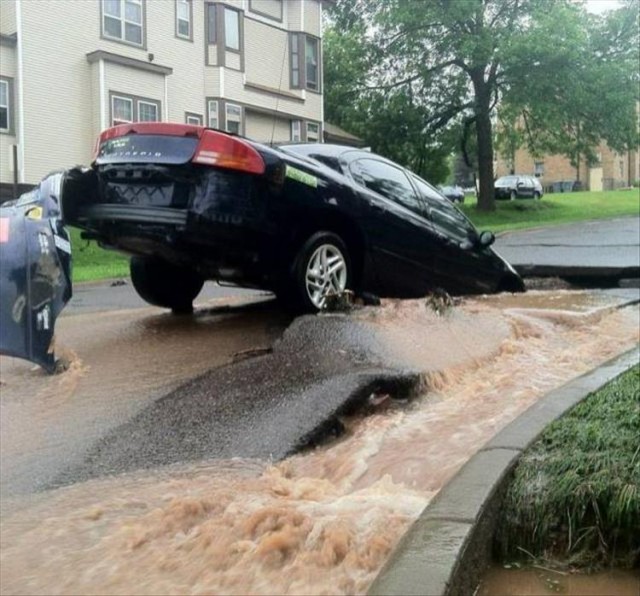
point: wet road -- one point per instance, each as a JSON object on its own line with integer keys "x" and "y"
{"x": 586, "y": 248}
{"x": 123, "y": 356}
{"x": 324, "y": 520}
{"x": 119, "y": 294}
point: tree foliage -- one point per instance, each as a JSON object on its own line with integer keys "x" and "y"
{"x": 581, "y": 86}
{"x": 417, "y": 78}
{"x": 390, "y": 120}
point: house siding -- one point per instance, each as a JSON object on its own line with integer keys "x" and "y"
{"x": 312, "y": 18}
{"x": 7, "y": 17}
{"x": 294, "y": 14}
{"x": 8, "y": 71}
{"x": 273, "y": 9}
{"x": 264, "y": 128}
{"x": 62, "y": 87}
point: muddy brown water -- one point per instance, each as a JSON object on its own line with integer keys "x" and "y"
{"x": 324, "y": 521}
{"x": 120, "y": 362}
{"x": 539, "y": 581}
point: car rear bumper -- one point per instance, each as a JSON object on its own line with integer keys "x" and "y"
{"x": 98, "y": 214}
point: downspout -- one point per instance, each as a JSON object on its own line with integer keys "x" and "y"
{"x": 166, "y": 99}
{"x": 20, "y": 128}
{"x": 101, "y": 91}
{"x": 321, "y": 135}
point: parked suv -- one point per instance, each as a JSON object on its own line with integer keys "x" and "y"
{"x": 518, "y": 187}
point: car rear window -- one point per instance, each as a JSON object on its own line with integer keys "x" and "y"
{"x": 163, "y": 149}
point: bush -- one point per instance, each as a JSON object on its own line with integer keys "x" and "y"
{"x": 575, "y": 496}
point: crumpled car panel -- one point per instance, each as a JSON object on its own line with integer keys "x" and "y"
{"x": 35, "y": 272}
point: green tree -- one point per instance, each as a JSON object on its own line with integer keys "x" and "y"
{"x": 582, "y": 84}
{"x": 390, "y": 119}
{"x": 455, "y": 61}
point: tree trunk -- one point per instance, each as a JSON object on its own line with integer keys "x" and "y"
{"x": 484, "y": 133}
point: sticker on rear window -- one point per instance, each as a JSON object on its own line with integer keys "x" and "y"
{"x": 300, "y": 176}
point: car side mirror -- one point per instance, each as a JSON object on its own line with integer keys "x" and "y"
{"x": 486, "y": 238}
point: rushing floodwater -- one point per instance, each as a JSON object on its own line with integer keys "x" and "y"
{"x": 324, "y": 521}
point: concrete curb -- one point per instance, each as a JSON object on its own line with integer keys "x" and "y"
{"x": 449, "y": 546}
{"x": 567, "y": 271}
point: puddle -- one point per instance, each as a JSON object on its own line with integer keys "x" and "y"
{"x": 536, "y": 582}
{"x": 323, "y": 521}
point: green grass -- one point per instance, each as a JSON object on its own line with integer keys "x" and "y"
{"x": 90, "y": 262}
{"x": 575, "y": 496}
{"x": 554, "y": 209}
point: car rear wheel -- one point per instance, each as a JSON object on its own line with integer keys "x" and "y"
{"x": 165, "y": 285}
{"x": 513, "y": 195}
{"x": 321, "y": 267}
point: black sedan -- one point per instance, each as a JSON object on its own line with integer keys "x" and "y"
{"x": 191, "y": 204}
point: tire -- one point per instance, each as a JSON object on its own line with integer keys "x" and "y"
{"x": 162, "y": 284}
{"x": 304, "y": 292}
{"x": 513, "y": 196}
{"x": 536, "y": 195}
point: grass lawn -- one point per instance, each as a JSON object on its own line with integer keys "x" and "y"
{"x": 92, "y": 263}
{"x": 554, "y": 209}
{"x": 575, "y": 496}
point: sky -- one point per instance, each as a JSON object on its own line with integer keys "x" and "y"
{"x": 600, "y": 6}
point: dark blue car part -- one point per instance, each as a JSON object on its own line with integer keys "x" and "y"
{"x": 35, "y": 272}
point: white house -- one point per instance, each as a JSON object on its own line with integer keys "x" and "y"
{"x": 70, "y": 68}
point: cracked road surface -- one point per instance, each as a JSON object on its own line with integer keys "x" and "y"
{"x": 124, "y": 356}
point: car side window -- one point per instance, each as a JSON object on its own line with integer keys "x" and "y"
{"x": 387, "y": 180}
{"x": 442, "y": 213}
{"x": 329, "y": 161}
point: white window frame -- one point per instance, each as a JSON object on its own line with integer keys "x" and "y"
{"x": 187, "y": 5}
{"x": 124, "y": 21}
{"x": 147, "y": 103}
{"x": 316, "y": 84}
{"x": 296, "y": 130}
{"x": 115, "y": 121}
{"x": 7, "y": 106}
{"x": 213, "y": 114}
{"x": 295, "y": 60}
{"x": 316, "y": 134}
{"x": 227, "y": 10}
{"x": 227, "y": 119}
{"x": 193, "y": 119}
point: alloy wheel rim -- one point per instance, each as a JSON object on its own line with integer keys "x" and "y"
{"x": 326, "y": 273}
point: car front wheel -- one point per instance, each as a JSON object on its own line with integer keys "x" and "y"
{"x": 321, "y": 267}
{"x": 166, "y": 285}
{"x": 536, "y": 195}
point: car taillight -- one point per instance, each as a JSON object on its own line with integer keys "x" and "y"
{"x": 224, "y": 151}
{"x": 170, "y": 129}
